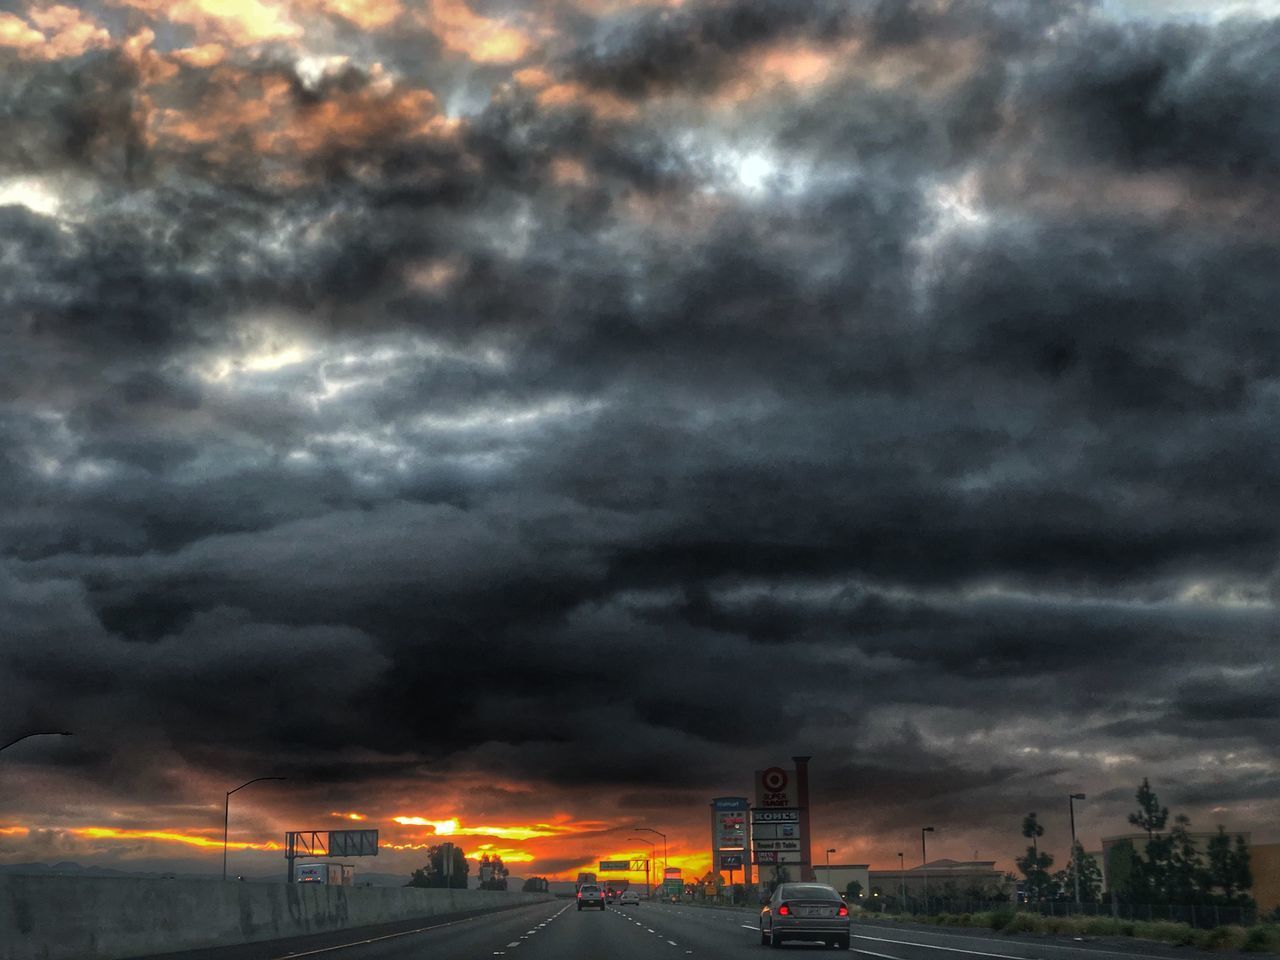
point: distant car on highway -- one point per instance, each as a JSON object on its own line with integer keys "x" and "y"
{"x": 805, "y": 911}
{"x": 628, "y": 897}
{"x": 590, "y": 895}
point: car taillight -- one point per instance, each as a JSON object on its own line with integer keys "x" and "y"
{"x": 843, "y": 911}
{"x": 784, "y": 911}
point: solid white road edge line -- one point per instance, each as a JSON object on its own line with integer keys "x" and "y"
{"x": 1037, "y": 946}
{"x": 389, "y": 936}
{"x": 934, "y": 946}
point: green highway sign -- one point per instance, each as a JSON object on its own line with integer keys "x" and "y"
{"x": 613, "y": 866}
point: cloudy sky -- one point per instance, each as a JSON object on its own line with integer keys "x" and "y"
{"x": 539, "y": 416}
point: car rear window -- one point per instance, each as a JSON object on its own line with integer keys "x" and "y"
{"x": 587, "y": 889}
{"x": 810, "y": 891}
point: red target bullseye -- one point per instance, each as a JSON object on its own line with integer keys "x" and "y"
{"x": 774, "y": 779}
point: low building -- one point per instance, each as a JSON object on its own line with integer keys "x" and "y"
{"x": 952, "y": 879}
{"x": 1264, "y": 862}
{"x": 1200, "y": 838}
{"x": 839, "y": 875}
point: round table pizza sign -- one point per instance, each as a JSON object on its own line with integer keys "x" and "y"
{"x": 774, "y": 779}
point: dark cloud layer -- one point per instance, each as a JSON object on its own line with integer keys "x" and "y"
{"x": 916, "y": 413}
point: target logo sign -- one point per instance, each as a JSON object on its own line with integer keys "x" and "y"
{"x": 772, "y": 788}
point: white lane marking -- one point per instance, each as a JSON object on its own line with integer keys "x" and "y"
{"x": 872, "y": 953}
{"x": 934, "y": 946}
{"x": 514, "y": 943}
{"x": 673, "y": 943}
{"x": 1037, "y": 946}
{"x": 389, "y": 936}
{"x": 747, "y": 926}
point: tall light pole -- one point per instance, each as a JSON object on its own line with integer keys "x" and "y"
{"x": 924, "y": 858}
{"x": 226, "y": 816}
{"x": 648, "y": 890}
{"x": 38, "y": 733}
{"x": 664, "y": 848}
{"x": 902, "y": 877}
{"x": 830, "y": 851}
{"x": 1075, "y": 851}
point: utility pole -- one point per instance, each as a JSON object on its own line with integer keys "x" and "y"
{"x": 924, "y": 859}
{"x": 648, "y": 890}
{"x": 1075, "y": 848}
{"x": 802, "y": 800}
{"x": 902, "y": 877}
{"x": 664, "y": 850}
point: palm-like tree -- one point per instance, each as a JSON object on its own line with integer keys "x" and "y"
{"x": 1031, "y": 829}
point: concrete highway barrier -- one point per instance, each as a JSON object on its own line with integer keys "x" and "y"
{"x": 79, "y": 918}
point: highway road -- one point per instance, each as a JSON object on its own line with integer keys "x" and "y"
{"x": 556, "y": 930}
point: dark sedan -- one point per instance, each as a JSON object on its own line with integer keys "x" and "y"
{"x": 805, "y": 911}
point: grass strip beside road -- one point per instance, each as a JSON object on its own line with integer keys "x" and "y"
{"x": 1262, "y": 938}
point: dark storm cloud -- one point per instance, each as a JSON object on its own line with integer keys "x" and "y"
{"x": 82, "y": 116}
{"x": 903, "y": 414}
{"x": 691, "y": 50}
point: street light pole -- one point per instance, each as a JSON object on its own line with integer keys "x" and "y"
{"x": 664, "y": 848}
{"x": 924, "y": 859}
{"x": 38, "y": 733}
{"x": 226, "y": 816}
{"x": 648, "y": 890}
{"x": 902, "y": 877}
{"x": 830, "y": 851}
{"x": 1075, "y": 849}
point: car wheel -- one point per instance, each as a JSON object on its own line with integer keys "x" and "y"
{"x": 764, "y": 938}
{"x": 579, "y": 908}
{"x": 842, "y": 943}
{"x": 774, "y": 940}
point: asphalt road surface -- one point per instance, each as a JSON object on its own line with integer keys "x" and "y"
{"x": 556, "y": 930}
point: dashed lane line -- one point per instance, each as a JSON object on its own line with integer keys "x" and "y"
{"x": 389, "y": 936}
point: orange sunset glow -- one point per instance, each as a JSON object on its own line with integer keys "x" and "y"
{"x": 581, "y": 844}
{"x": 193, "y": 840}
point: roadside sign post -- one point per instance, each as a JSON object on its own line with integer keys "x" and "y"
{"x": 331, "y": 843}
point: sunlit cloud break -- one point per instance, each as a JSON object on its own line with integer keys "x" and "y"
{"x": 448, "y": 828}
{"x": 194, "y": 840}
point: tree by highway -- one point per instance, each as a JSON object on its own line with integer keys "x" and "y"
{"x": 1034, "y": 865}
{"x": 1150, "y": 817}
{"x": 493, "y": 873}
{"x": 433, "y": 875}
